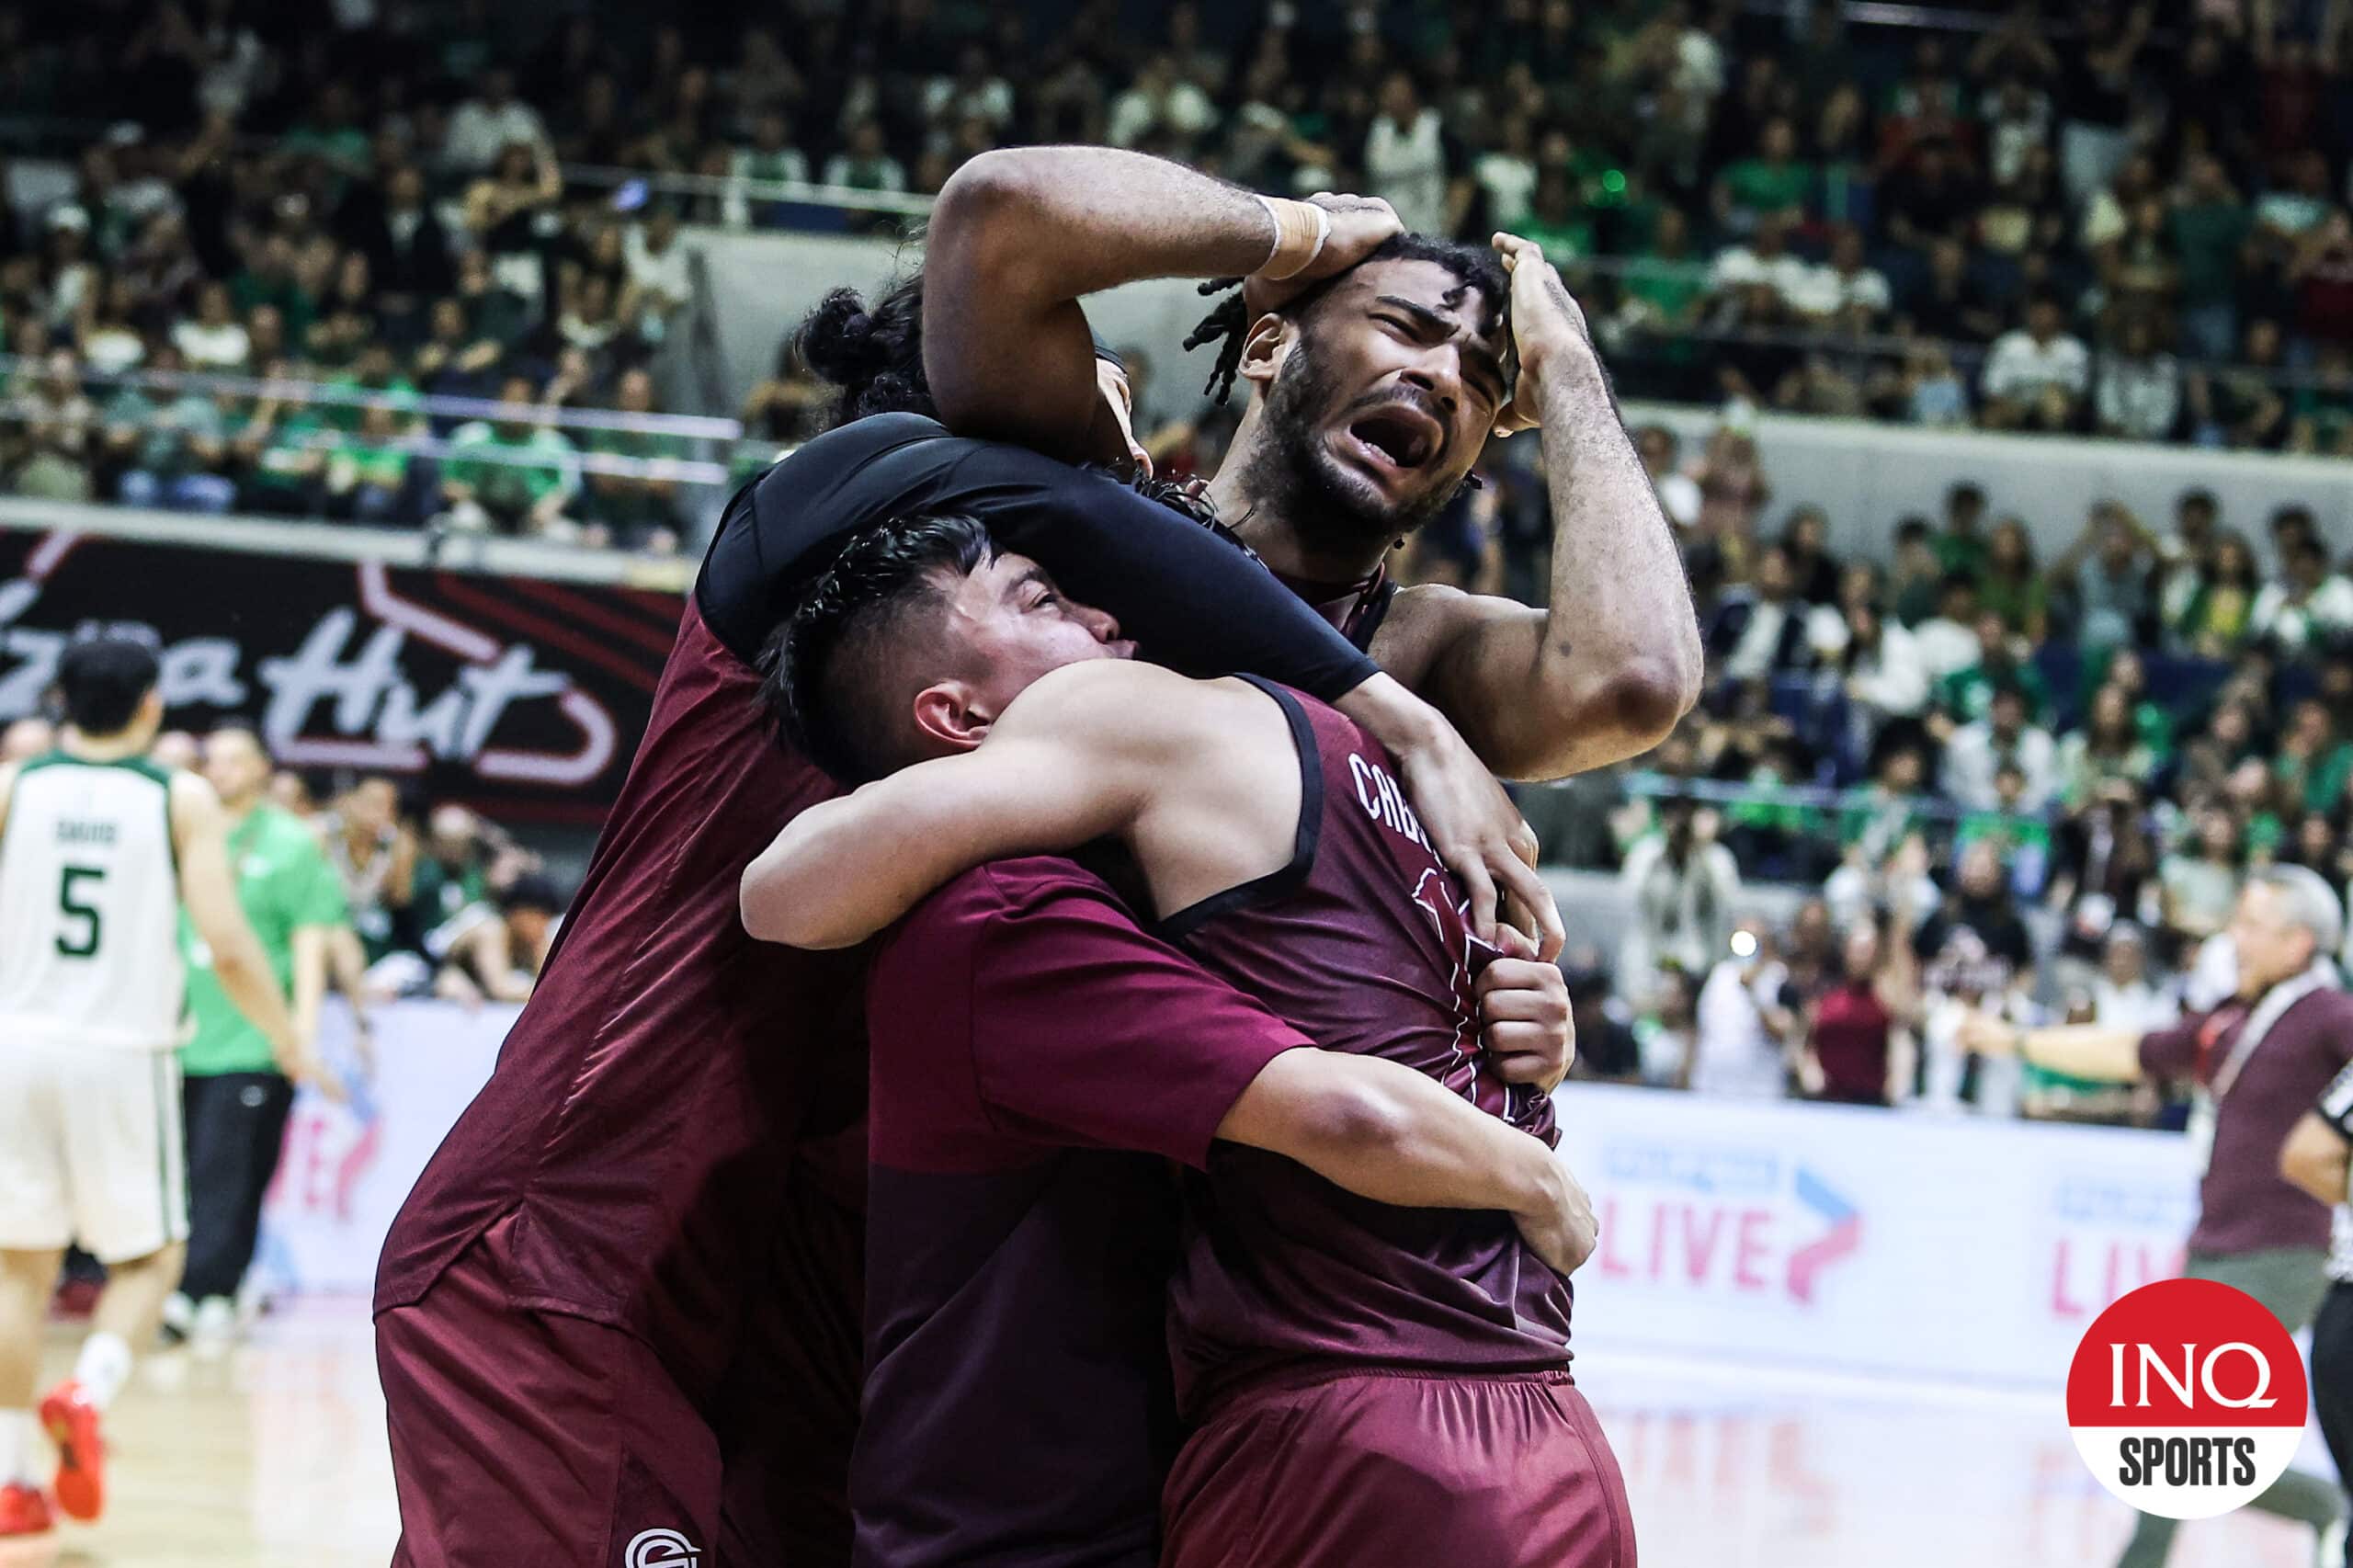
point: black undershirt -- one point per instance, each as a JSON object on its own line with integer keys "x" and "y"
{"x": 1193, "y": 601}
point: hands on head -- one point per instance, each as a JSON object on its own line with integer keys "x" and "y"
{"x": 1358, "y": 226}
{"x": 1545, "y": 321}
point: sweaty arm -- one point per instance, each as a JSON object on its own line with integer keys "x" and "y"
{"x": 1019, "y": 234}
{"x": 1386, "y": 1133}
{"x": 1025, "y": 998}
{"x": 201, "y": 838}
{"x": 1192, "y": 776}
{"x": 1607, "y": 669}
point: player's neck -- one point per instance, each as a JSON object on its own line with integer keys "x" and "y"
{"x": 238, "y": 811}
{"x": 110, "y": 748}
{"x": 1274, "y": 517}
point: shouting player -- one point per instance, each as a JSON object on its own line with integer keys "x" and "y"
{"x": 1366, "y": 1383}
{"x": 631, "y": 1274}
{"x": 99, "y": 849}
{"x": 1374, "y": 389}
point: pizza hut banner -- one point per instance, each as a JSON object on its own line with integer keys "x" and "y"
{"x": 522, "y": 694}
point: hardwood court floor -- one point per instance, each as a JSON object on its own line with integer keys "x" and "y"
{"x": 275, "y": 1458}
{"x": 272, "y": 1457}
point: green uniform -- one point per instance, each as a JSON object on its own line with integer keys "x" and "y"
{"x": 285, "y": 882}
{"x": 511, "y": 485}
{"x": 1763, "y": 186}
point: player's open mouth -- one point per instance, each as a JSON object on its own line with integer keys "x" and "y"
{"x": 1395, "y": 438}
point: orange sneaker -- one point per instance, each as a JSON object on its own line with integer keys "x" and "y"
{"x": 23, "y": 1512}
{"x": 72, "y": 1422}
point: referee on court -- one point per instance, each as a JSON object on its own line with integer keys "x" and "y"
{"x": 2257, "y": 1062}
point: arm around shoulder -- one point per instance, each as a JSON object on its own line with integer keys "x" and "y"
{"x": 1069, "y": 761}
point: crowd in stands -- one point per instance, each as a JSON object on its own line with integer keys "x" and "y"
{"x": 443, "y": 902}
{"x": 252, "y": 280}
{"x": 2098, "y": 219}
{"x": 2030, "y": 785}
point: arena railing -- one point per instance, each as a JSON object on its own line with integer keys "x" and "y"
{"x": 486, "y": 553}
{"x": 701, "y": 431}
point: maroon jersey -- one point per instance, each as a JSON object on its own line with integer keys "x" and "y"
{"x": 1038, "y": 1061}
{"x": 2244, "y": 1203}
{"x": 1361, "y": 943}
{"x": 1355, "y": 609}
{"x": 1850, "y": 1039}
{"x": 647, "y": 1102}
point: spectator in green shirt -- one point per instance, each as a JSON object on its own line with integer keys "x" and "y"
{"x": 236, "y": 1098}
{"x": 1772, "y": 181}
{"x": 2209, "y": 224}
{"x": 282, "y": 457}
{"x": 2313, "y": 764}
{"x": 635, "y": 511}
{"x": 515, "y": 474}
{"x": 465, "y": 872}
{"x": 2010, "y": 587}
{"x": 1962, "y": 547}
{"x": 2125, "y": 670}
{"x": 1967, "y": 694}
{"x": 167, "y": 443}
{"x": 1556, "y": 222}
{"x": 2323, "y": 406}
{"x": 272, "y": 275}
{"x": 1915, "y": 587}
{"x": 330, "y": 133}
{"x": 374, "y": 374}
{"x": 367, "y": 473}
{"x": 1663, "y": 291}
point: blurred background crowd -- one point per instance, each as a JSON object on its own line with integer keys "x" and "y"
{"x": 2087, "y": 218}
{"x": 2031, "y": 785}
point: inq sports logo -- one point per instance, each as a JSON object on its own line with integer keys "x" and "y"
{"x": 2187, "y": 1399}
{"x": 660, "y": 1549}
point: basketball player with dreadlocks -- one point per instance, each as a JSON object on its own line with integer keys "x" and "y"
{"x": 1372, "y": 392}
{"x": 618, "y": 1317}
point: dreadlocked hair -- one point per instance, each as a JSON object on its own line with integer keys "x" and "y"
{"x": 1227, "y": 325}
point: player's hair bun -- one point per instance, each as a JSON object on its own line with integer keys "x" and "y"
{"x": 837, "y": 340}
{"x": 872, "y": 352}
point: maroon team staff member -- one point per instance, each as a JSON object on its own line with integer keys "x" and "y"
{"x": 1370, "y": 1383}
{"x": 623, "y": 1296}
{"x": 2258, "y": 1061}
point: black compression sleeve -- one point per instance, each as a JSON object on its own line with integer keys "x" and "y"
{"x": 1195, "y": 602}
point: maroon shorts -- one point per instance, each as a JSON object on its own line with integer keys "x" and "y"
{"x": 521, "y": 1435}
{"x": 1400, "y": 1469}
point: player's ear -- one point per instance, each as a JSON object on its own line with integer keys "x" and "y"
{"x": 950, "y": 716}
{"x": 1271, "y": 336}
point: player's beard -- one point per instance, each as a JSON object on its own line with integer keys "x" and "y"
{"x": 1297, "y": 479}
